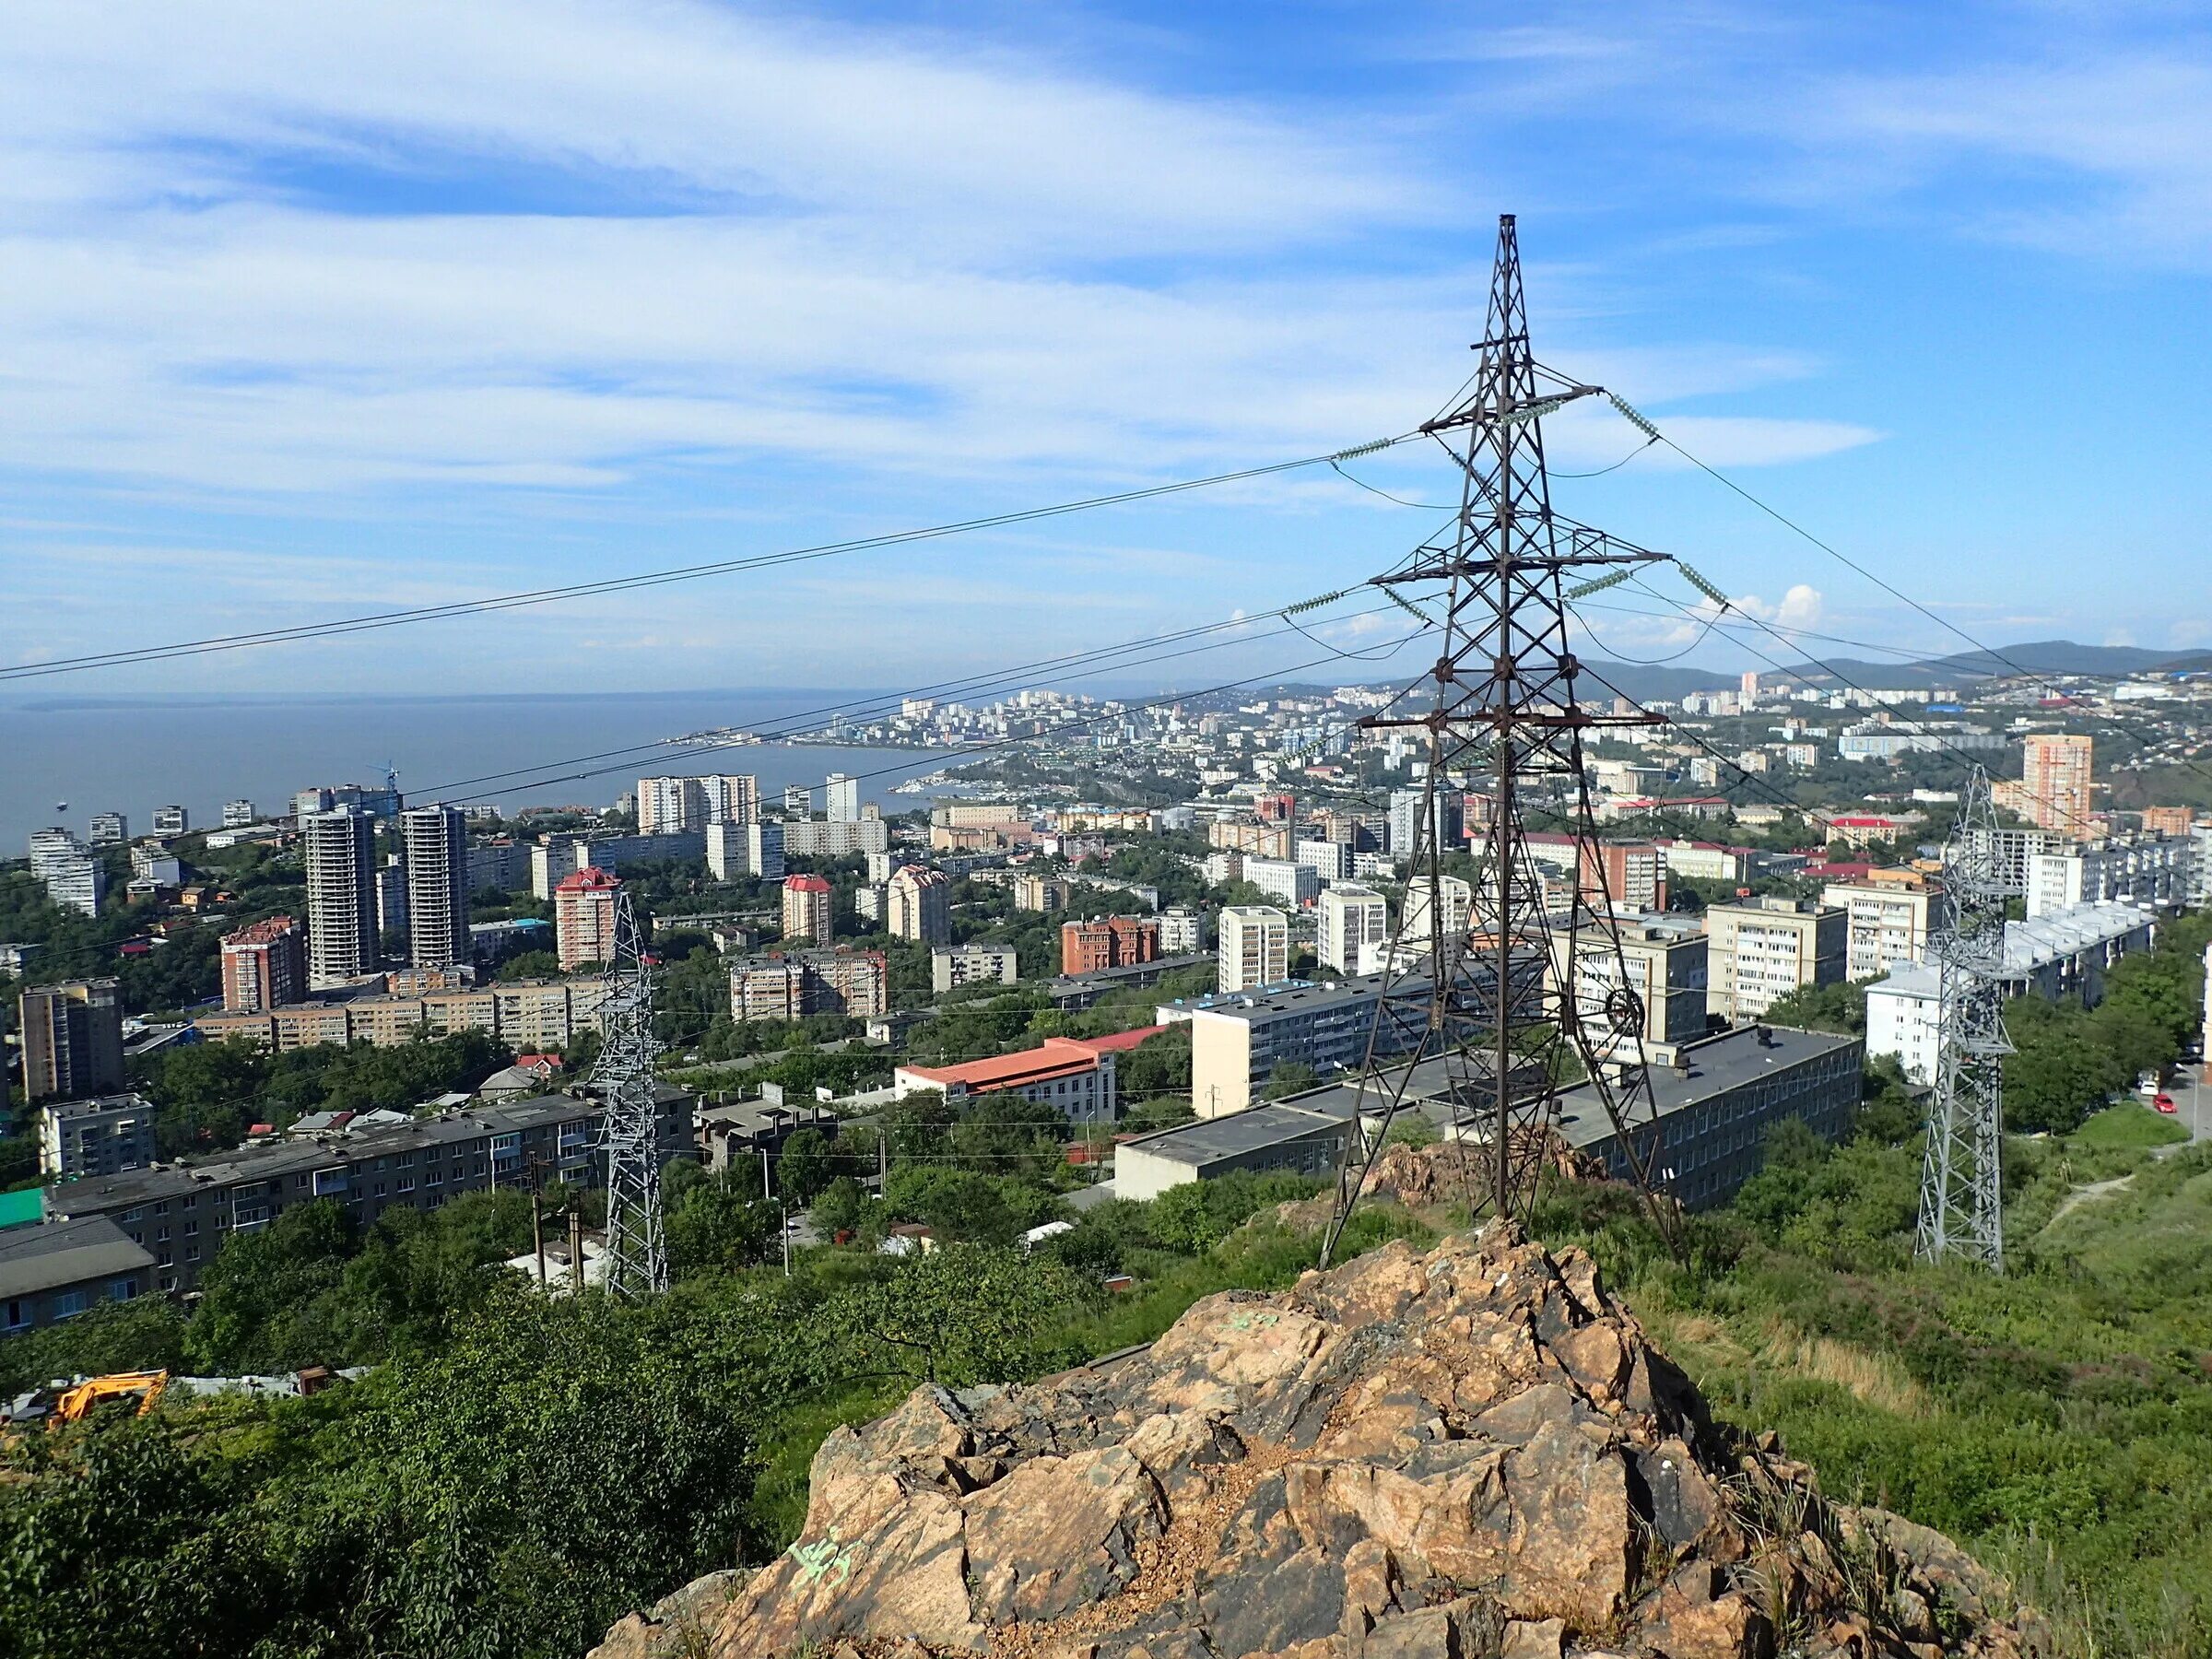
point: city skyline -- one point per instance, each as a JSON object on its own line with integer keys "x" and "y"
{"x": 1841, "y": 258}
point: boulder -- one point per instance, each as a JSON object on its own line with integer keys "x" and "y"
{"x": 1467, "y": 1453}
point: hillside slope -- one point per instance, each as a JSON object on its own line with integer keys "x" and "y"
{"x": 1469, "y": 1452}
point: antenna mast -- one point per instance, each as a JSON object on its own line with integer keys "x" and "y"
{"x": 1499, "y": 984}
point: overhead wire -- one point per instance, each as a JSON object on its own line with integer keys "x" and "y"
{"x": 461, "y": 608}
{"x": 2042, "y": 678}
{"x": 805, "y": 722}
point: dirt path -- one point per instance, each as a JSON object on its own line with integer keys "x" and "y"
{"x": 2082, "y": 1195}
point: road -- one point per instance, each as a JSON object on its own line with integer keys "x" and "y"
{"x": 2193, "y": 1104}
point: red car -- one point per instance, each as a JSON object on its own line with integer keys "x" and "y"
{"x": 2164, "y": 1103}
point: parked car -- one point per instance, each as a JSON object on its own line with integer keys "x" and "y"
{"x": 2164, "y": 1103}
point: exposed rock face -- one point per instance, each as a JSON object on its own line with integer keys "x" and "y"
{"x": 1471, "y": 1455}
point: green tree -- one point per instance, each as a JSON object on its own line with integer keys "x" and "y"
{"x": 804, "y": 1167}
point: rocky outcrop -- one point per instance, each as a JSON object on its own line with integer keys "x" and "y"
{"x": 1467, "y": 1454}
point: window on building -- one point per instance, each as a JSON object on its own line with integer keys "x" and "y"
{"x": 15, "y": 1315}
{"x": 69, "y": 1304}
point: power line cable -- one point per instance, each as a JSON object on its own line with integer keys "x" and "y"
{"x": 395, "y": 618}
{"x": 2043, "y": 678}
{"x": 860, "y": 707}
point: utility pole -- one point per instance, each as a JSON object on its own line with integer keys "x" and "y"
{"x": 576, "y": 1246}
{"x": 1472, "y": 1015}
{"x": 537, "y": 1234}
{"x": 637, "y": 1259}
{"x": 1962, "y": 1188}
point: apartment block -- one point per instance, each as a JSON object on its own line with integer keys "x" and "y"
{"x": 795, "y": 984}
{"x": 264, "y": 966}
{"x": 1108, "y": 942}
{"x": 1663, "y": 960}
{"x": 1238, "y": 1038}
{"x": 1354, "y": 929}
{"x": 807, "y": 908}
{"x": 918, "y": 905}
{"x": 1251, "y": 837}
{"x": 1761, "y": 949}
{"x": 827, "y": 838}
{"x": 340, "y": 848}
{"x": 108, "y": 829}
{"x": 527, "y": 1015}
{"x": 971, "y": 965}
{"x": 840, "y": 799}
{"x": 434, "y": 848}
{"x": 180, "y": 1213}
{"x": 1292, "y": 884}
{"x": 2055, "y": 770}
{"x": 1883, "y": 924}
{"x": 104, "y": 1135}
{"x": 72, "y": 1039}
{"x": 1255, "y": 947}
{"x": 1039, "y": 892}
{"x": 171, "y": 820}
{"x": 584, "y": 917}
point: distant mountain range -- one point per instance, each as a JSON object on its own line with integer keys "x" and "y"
{"x": 2038, "y": 656}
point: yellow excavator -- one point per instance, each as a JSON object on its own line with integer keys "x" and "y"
{"x": 74, "y": 1401}
{"x": 79, "y": 1401}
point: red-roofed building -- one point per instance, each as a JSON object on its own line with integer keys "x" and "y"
{"x": 807, "y": 908}
{"x": 1073, "y": 1076}
{"x": 583, "y": 916}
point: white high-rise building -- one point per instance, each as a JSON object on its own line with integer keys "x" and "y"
{"x": 843, "y": 799}
{"x": 237, "y": 815}
{"x": 1295, "y": 884}
{"x": 1459, "y": 905}
{"x": 434, "y": 843}
{"x": 1355, "y": 929}
{"x": 50, "y": 848}
{"x": 171, "y": 820}
{"x": 341, "y": 896}
{"x": 78, "y": 882}
{"x": 109, "y": 829}
{"x": 670, "y": 806}
{"x": 1255, "y": 947}
{"x": 731, "y": 798}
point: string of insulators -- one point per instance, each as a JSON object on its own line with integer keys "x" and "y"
{"x": 1537, "y": 410}
{"x": 1408, "y": 605}
{"x": 1314, "y": 604}
{"x": 1703, "y": 586}
{"x": 1613, "y": 579}
{"x": 1631, "y": 417}
{"x": 1362, "y": 449}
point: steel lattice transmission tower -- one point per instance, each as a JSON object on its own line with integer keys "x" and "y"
{"x": 1962, "y": 1188}
{"x": 636, "y": 1256}
{"x": 1471, "y": 983}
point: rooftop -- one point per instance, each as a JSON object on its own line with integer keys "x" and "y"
{"x": 315, "y": 1152}
{"x": 33, "y": 1259}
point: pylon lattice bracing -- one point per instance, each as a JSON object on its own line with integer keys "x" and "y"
{"x": 1961, "y": 1186}
{"x": 1472, "y": 1016}
{"x": 636, "y": 1256}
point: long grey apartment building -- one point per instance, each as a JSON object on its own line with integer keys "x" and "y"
{"x": 1716, "y": 1099}
{"x": 180, "y": 1213}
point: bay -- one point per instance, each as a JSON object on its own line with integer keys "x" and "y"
{"x": 132, "y": 754}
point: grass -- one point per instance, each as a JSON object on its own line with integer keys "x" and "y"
{"x": 2128, "y": 1124}
{"x": 2058, "y": 1421}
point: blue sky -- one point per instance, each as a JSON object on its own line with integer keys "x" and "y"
{"x": 312, "y": 311}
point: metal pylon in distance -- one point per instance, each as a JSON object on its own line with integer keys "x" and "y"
{"x": 1962, "y": 1180}
{"x": 637, "y": 1256}
{"x": 1484, "y": 1011}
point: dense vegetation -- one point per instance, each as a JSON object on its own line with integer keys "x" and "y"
{"x": 536, "y": 1467}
